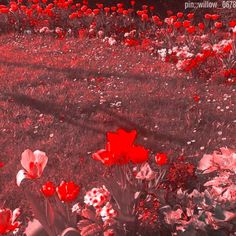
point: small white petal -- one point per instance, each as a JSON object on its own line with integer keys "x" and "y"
{"x": 21, "y": 175}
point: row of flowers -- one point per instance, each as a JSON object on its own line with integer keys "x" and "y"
{"x": 194, "y": 45}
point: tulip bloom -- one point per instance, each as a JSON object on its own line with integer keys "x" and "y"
{"x": 33, "y": 164}
{"x": 218, "y": 24}
{"x": 161, "y": 159}
{"x": 120, "y": 149}
{"x": 8, "y": 221}
{"x": 68, "y": 191}
{"x": 48, "y": 189}
{"x": 186, "y": 23}
{"x": 190, "y": 15}
{"x": 180, "y": 14}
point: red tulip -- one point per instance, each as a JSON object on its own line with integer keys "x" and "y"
{"x": 177, "y": 24}
{"x": 120, "y": 10}
{"x": 144, "y": 17}
{"x": 120, "y": 149}
{"x": 126, "y": 12}
{"x": 155, "y": 19}
{"x": 161, "y": 159}
{"x": 232, "y": 23}
{"x": 218, "y": 24}
{"x": 139, "y": 13}
{"x": 180, "y": 14}
{"x": 186, "y": 23}
{"x": 33, "y": 164}
{"x": 48, "y": 189}
{"x": 152, "y": 8}
{"x": 132, "y": 3}
{"x": 113, "y": 8}
{"x": 99, "y": 5}
{"x": 191, "y": 29}
{"x": 73, "y": 15}
{"x": 14, "y": 7}
{"x": 88, "y": 12}
{"x": 190, "y": 15}
{"x": 207, "y": 16}
{"x": 4, "y": 10}
{"x": 84, "y": 8}
{"x": 68, "y": 191}
{"x": 106, "y": 9}
{"x": 215, "y": 17}
{"x": 96, "y": 11}
{"x": 120, "y": 5}
{"x": 8, "y": 221}
{"x": 144, "y": 7}
{"x": 201, "y": 26}
{"x": 196, "y": 98}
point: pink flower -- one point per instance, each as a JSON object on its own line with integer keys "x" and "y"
{"x": 224, "y": 160}
{"x": 107, "y": 212}
{"x": 145, "y": 173}
{"x": 173, "y": 217}
{"x": 33, "y": 164}
{"x": 7, "y": 220}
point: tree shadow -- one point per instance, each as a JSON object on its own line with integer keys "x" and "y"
{"x": 72, "y": 73}
{"x": 59, "y": 112}
{"x": 72, "y": 117}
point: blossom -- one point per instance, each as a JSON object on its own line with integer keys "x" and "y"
{"x": 207, "y": 16}
{"x": 145, "y": 173}
{"x": 190, "y": 15}
{"x": 226, "y": 160}
{"x": 8, "y": 221}
{"x": 48, "y": 189}
{"x": 186, "y": 23}
{"x": 173, "y": 217}
{"x": 120, "y": 149}
{"x": 218, "y": 24}
{"x": 68, "y": 191}
{"x": 33, "y": 164}
{"x": 107, "y": 212}
{"x": 180, "y": 14}
{"x": 161, "y": 159}
{"x": 196, "y": 98}
{"x": 97, "y": 197}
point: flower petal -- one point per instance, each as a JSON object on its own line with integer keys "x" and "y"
{"x": 103, "y": 156}
{"x": 41, "y": 158}
{"x": 206, "y": 164}
{"x": 15, "y": 214}
{"x": 21, "y": 175}
{"x": 26, "y": 158}
{"x": 138, "y": 154}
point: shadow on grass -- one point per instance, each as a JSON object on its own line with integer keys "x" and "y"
{"x": 72, "y": 117}
{"x": 71, "y": 72}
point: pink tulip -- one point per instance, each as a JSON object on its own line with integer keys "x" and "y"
{"x": 33, "y": 164}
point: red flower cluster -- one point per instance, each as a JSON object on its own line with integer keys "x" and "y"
{"x": 120, "y": 149}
